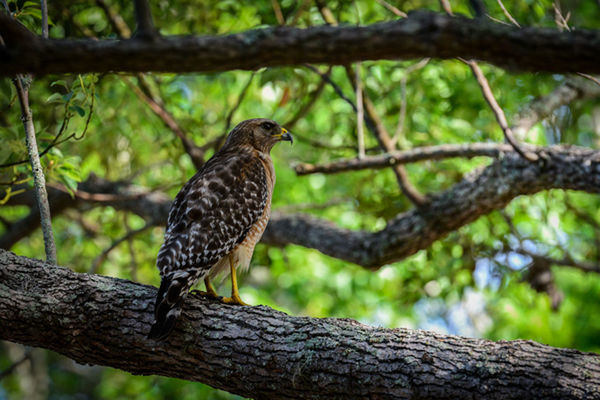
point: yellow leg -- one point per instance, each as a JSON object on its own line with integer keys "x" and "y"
{"x": 210, "y": 290}
{"x": 235, "y": 295}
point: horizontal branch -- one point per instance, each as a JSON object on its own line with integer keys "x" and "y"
{"x": 262, "y": 353}
{"x": 422, "y": 34}
{"x": 484, "y": 190}
{"x": 479, "y": 193}
{"x": 416, "y": 154}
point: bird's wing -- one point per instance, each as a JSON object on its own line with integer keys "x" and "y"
{"x": 213, "y": 213}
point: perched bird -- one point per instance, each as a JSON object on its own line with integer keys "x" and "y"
{"x": 217, "y": 218}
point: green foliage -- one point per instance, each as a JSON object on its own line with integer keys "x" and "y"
{"x": 468, "y": 283}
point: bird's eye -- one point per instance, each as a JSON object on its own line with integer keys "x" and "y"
{"x": 268, "y": 125}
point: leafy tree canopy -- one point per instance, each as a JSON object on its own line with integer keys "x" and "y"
{"x": 528, "y": 270}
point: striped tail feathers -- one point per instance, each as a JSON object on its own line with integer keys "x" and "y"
{"x": 173, "y": 290}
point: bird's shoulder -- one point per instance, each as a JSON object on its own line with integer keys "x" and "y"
{"x": 229, "y": 181}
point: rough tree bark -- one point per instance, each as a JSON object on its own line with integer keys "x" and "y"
{"x": 422, "y": 34}
{"x": 262, "y": 353}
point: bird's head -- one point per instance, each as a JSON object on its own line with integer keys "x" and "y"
{"x": 260, "y": 133}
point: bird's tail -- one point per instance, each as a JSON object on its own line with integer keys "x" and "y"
{"x": 167, "y": 308}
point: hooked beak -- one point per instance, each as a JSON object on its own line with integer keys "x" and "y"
{"x": 285, "y": 135}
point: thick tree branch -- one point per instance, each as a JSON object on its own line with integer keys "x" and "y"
{"x": 261, "y": 353}
{"x": 485, "y": 190}
{"x": 422, "y": 34}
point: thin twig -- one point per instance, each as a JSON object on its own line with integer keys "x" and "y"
{"x": 305, "y": 108}
{"x": 490, "y": 99}
{"x": 586, "y": 217}
{"x": 15, "y": 365}
{"x": 497, "y": 110}
{"x": 195, "y": 152}
{"x": 377, "y": 128}
{"x": 375, "y": 125}
{"x": 446, "y": 6}
{"x": 403, "y": 104}
{"x": 393, "y": 9}
{"x": 590, "y": 77}
{"x": 235, "y": 107}
{"x": 336, "y": 88}
{"x": 277, "y": 11}
{"x": 63, "y": 127}
{"x": 44, "y": 7}
{"x": 129, "y": 235}
{"x": 561, "y": 21}
{"x": 299, "y": 12}
{"x": 497, "y": 20}
{"x": 507, "y": 14}
{"x": 566, "y": 261}
{"x": 97, "y": 197}
{"x": 119, "y": 25}
{"x": 360, "y": 114}
{"x": 39, "y": 179}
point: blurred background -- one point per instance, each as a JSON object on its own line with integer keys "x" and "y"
{"x": 499, "y": 277}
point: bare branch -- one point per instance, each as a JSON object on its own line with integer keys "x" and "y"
{"x": 392, "y": 8}
{"x": 566, "y": 261}
{"x": 590, "y": 77}
{"x": 216, "y": 144}
{"x": 128, "y": 236}
{"x": 561, "y": 21}
{"x": 145, "y": 26}
{"x": 39, "y": 179}
{"x": 385, "y": 141}
{"x": 44, "y": 9}
{"x": 277, "y": 11}
{"x": 14, "y": 365}
{"x": 116, "y": 21}
{"x": 305, "y": 108}
{"x": 258, "y": 352}
{"x": 402, "y": 116}
{"x": 407, "y": 156}
{"x": 498, "y": 112}
{"x": 327, "y": 78}
{"x": 195, "y": 152}
{"x": 422, "y": 34}
{"x": 360, "y": 113}
{"x": 446, "y": 6}
{"x": 507, "y": 14}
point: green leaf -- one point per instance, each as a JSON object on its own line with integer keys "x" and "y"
{"x": 78, "y": 109}
{"x": 55, "y": 98}
{"x": 60, "y": 82}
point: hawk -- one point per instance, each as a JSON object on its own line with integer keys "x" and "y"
{"x": 217, "y": 218}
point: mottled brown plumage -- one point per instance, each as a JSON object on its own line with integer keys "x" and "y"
{"x": 217, "y": 218}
